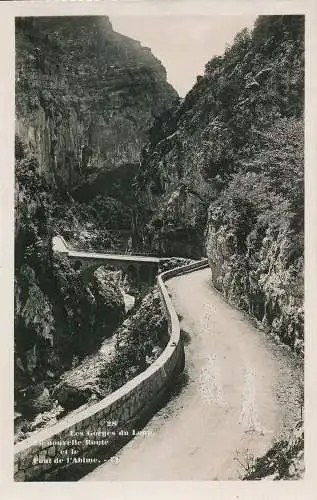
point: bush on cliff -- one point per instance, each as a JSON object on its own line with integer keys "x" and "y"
{"x": 255, "y": 235}
{"x": 284, "y": 460}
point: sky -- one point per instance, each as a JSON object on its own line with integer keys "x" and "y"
{"x": 184, "y": 44}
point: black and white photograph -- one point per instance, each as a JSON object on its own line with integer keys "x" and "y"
{"x": 159, "y": 247}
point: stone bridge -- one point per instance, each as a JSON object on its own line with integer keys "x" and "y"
{"x": 141, "y": 269}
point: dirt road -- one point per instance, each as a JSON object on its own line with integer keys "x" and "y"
{"x": 239, "y": 391}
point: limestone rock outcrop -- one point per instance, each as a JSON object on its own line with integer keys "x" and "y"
{"x": 85, "y": 95}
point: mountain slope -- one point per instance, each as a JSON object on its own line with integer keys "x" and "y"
{"x": 222, "y": 174}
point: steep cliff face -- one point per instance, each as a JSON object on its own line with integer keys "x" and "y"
{"x": 222, "y": 174}
{"x": 57, "y": 315}
{"x": 85, "y": 95}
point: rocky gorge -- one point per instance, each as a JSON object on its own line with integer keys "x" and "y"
{"x": 106, "y": 152}
{"x": 85, "y": 97}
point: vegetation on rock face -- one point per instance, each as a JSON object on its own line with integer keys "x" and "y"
{"x": 84, "y": 97}
{"x": 58, "y": 315}
{"x": 284, "y": 460}
{"x": 169, "y": 264}
{"x": 139, "y": 341}
{"x": 136, "y": 344}
{"x": 223, "y": 173}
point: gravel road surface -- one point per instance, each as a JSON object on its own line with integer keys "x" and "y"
{"x": 238, "y": 393}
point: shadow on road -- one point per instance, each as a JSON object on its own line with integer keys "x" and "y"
{"x": 181, "y": 382}
{"x": 186, "y": 337}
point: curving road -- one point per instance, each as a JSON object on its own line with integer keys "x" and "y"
{"x": 239, "y": 392}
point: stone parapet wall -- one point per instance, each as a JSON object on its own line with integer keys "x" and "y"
{"x": 94, "y": 434}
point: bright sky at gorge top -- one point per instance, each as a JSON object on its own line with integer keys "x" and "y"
{"x": 184, "y": 44}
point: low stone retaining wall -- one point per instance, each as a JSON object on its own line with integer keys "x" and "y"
{"x": 88, "y": 437}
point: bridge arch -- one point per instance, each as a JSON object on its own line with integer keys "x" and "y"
{"x": 132, "y": 273}
{"x": 141, "y": 269}
{"x": 77, "y": 265}
{"x": 145, "y": 273}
